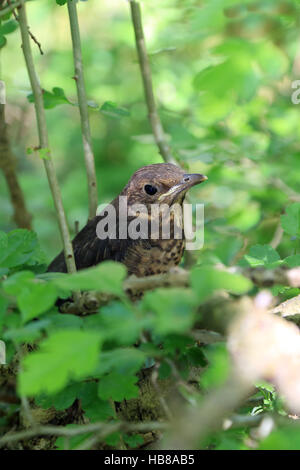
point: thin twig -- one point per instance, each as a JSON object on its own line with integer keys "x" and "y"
{"x": 29, "y": 32}
{"x": 81, "y": 429}
{"x": 154, "y": 118}
{"x": 36, "y": 41}
{"x": 8, "y": 165}
{"x": 43, "y": 141}
{"x": 163, "y": 403}
{"x": 83, "y": 109}
{"x": 277, "y": 236}
{"x": 4, "y": 11}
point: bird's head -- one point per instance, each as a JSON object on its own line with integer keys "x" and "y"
{"x": 161, "y": 183}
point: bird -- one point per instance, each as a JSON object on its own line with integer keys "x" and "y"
{"x": 155, "y": 185}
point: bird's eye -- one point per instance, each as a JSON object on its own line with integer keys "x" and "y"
{"x": 149, "y": 189}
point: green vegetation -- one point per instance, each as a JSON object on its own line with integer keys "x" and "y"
{"x": 208, "y": 346}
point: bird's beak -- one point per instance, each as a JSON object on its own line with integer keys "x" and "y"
{"x": 185, "y": 184}
{"x": 192, "y": 179}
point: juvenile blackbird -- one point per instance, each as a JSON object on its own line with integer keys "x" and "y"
{"x": 162, "y": 183}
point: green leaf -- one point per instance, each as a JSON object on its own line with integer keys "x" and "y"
{"x": 28, "y": 333}
{"x": 118, "y": 387}
{"x": 113, "y": 439}
{"x": 263, "y": 255}
{"x": 227, "y": 248}
{"x": 285, "y": 438}
{"x": 3, "y": 307}
{"x": 106, "y": 277}
{"x": 44, "y": 153}
{"x": 119, "y": 323}
{"x": 126, "y": 361}
{"x": 63, "y": 356}
{"x": 36, "y": 299}
{"x": 173, "y": 309}
{"x": 74, "y": 441}
{"x": 62, "y": 400}
{"x": 292, "y": 261}
{"x": 219, "y": 366}
{"x": 133, "y": 441}
{"x": 33, "y": 296}
{"x": 3, "y": 41}
{"x": 61, "y": 2}
{"x": 16, "y": 283}
{"x": 240, "y": 80}
{"x": 52, "y": 99}
{"x": 57, "y": 321}
{"x": 113, "y": 110}
{"x": 94, "y": 408}
{"x": 206, "y": 280}
{"x": 8, "y": 27}
{"x": 17, "y": 247}
{"x": 290, "y": 222}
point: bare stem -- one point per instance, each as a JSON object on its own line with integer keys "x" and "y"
{"x": 105, "y": 428}
{"x": 43, "y": 140}
{"x": 154, "y": 118}
{"x": 83, "y": 109}
{"x": 7, "y": 163}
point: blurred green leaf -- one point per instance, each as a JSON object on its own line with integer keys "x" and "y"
{"x": 262, "y": 255}
{"x": 118, "y": 387}
{"x": 106, "y": 277}
{"x": 2, "y": 41}
{"x": 36, "y": 299}
{"x": 205, "y": 281}
{"x": 52, "y": 99}
{"x": 173, "y": 309}
{"x": 219, "y": 366}
{"x": 292, "y": 261}
{"x": 64, "y": 355}
{"x": 286, "y": 438}
{"x": 17, "y": 247}
{"x": 134, "y": 440}
{"x": 29, "y": 333}
{"x": 113, "y": 110}
{"x": 122, "y": 360}
{"x": 8, "y": 27}
{"x": 290, "y": 222}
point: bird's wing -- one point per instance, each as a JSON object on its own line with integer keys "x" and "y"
{"x": 89, "y": 250}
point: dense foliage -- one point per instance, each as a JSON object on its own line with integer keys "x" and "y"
{"x": 222, "y": 72}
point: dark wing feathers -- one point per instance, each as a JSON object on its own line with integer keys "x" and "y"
{"x": 89, "y": 250}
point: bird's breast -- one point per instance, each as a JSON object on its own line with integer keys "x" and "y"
{"x": 148, "y": 257}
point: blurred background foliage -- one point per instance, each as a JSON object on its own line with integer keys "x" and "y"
{"x": 222, "y": 72}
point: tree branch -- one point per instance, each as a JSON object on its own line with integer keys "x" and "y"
{"x": 83, "y": 109}
{"x": 7, "y": 163}
{"x": 133, "y": 285}
{"x": 43, "y": 140}
{"x": 104, "y": 428}
{"x": 143, "y": 58}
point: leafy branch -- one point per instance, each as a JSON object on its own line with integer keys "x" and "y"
{"x": 104, "y": 428}
{"x": 43, "y": 140}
